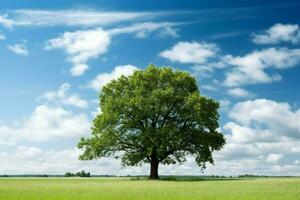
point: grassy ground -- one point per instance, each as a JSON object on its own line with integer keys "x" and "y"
{"x": 123, "y": 188}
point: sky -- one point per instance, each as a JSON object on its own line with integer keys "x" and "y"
{"x": 55, "y": 56}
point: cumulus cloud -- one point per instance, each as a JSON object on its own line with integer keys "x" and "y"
{"x": 266, "y": 126}
{"x": 46, "y": 123}
{"x": 61, "y": 97}
{"x": 239, "y": 92}
{"x": 19, "y": 49}
{"x": 250, "y": 68}
{"x": 278, "y": 33}
{"x": 75, "y": 100}
{"x": 104, "y": 78}
{"x": 262, "y": 138}
{"x": 191, "y": 52}
{"x": 243, "y": 134}
{"x": 35, "y": 160}
{"x": 263, "y": 114}
{"x": 81, "y": 46}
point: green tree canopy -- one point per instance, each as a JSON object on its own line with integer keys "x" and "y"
{"x": 154, "y": 116}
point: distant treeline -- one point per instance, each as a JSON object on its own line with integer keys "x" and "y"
{"x": 163, "y": 177}
{"x": 256, "y": 176}
{"x": 78, "y": 174}
{"x": 45, "y": 175}
{"x": 251, "y": 175}
{"x": 29, "y": 175}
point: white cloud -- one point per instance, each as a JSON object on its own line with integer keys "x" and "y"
{"x": 227, "y": 35}
{"x": 86, "y": 18}
{"x": 169, "y": 31}
{"x": 46, "y": 123}
{"x": 5, "y": 21}
{"x": 142, "y": 30}
{"x": 206, "y": 70}
{"x": 103, "y": 79}
{"x": 19, "y": 49}
{"x": 61, "y": 96}
{"x": 262, "y": 138}
{"x": 250, "y": 69}
{"x": 278, "y": 33}
{"x": 264, "y": 121}
{"x": 34, "y": 160}
{"x": 75, "y": 100}
{"x": 28, "y": 153}
{"x": 239, "y": 92}
{"x": 209, "y": 87}
{"x": 252, "y": 165}
{"x": 81, "y": 46}
{"x": 262, "y": 114}
{"x": 5, "y": 139}
{"x": 249, "y": 153}
{"x": 202, "y": 71}
{"x": 274, "y": 158}
{"x": 191, "y": 52}
{"x": 79, "y": 69}
{"x": 243, "y": 134}
{"x": 224, "y": 105}
{"x": 2, "y": 37}
{"x": 61, "y": 93}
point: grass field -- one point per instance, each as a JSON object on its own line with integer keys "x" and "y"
{"x": 124, "y": 188}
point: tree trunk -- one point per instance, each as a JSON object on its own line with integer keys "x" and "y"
{"x": 154, "y": 169}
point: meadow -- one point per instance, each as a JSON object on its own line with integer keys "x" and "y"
{"x": 128, "y": 189}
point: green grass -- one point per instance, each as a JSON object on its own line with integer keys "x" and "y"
{"x": 125, "y": 188}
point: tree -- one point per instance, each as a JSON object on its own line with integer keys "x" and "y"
{"x": 68, "y": 174}
{"x": 154, "y": 116}
{"x": 78, "y": 174}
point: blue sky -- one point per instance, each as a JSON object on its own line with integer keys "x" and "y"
{"x": 56, "y": 56}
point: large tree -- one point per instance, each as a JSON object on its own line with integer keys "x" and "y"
{"x": 154, "y": 116}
